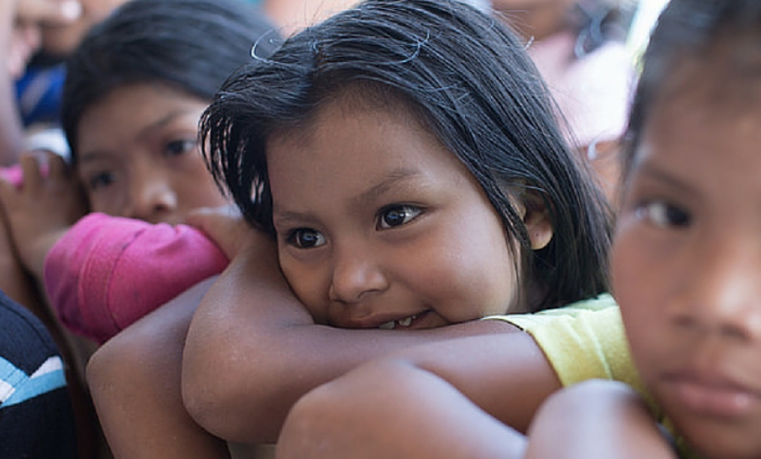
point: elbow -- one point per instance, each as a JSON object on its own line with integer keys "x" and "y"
{"x": 232, "y": 404}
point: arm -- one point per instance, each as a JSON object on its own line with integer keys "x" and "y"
{"x": 107, "y": 272}
{"x": 596, "y": 419}
{"x": 253, "y": 350}
{"x": 42, "y": 209}
{"x": 392, "y": 409}
{"x": 134, "y": 379}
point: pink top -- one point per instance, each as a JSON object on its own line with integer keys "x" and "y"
{"x": 107, "y": 272}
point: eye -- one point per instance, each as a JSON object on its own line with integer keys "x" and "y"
{"x": 100, "y": 180}
{"x": 397, "y": 215}
{"x": 178, "y": 147}
{"x": 305, "y": 238}
{"x": 663, "y": 214}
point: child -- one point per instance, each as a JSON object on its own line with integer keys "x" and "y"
{"x": 685, "y": 269}
{"x": 405, "y": 157}
{"x": 131, "y": 119}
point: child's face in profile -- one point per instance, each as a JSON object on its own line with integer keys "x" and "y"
{"x": 379, "y": 225}
{"x": 687, "y": 263}
{"x": 138, "y": 155}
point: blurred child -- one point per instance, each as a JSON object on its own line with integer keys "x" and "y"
{"x": 131, "y": 118}
{"x": 409, "y": 178}
{"x": 685, "y": 264}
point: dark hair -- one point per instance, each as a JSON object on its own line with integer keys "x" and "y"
{"x": 699, "y": 30}
{"x": 473, "y": 85}
{"x": 190, "y": 45}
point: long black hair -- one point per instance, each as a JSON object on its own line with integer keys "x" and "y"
{"x": 190, "y": 45}
{"x": 469, "y": 78}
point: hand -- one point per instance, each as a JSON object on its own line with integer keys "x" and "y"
{"x": 43, "y": 208}
{"x": 225, "y": 226}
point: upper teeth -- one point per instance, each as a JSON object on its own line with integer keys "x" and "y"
{"x": 400, "y": 323}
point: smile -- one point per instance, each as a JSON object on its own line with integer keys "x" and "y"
{"x": 394, "y": 324}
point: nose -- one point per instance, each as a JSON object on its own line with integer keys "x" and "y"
{"x": 151, "y": 198}
{"x": 356, "y": 274}
{"x": 721, "y": 295}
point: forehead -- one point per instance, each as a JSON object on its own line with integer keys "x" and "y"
{"x": 133, "y": 106}
{"x": 706, "y": 122}
{"x": 351, "y": 142}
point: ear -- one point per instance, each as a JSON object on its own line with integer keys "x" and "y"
{"x": 537, "y": 220}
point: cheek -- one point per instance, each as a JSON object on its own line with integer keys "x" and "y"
{"x": 306, "y": 283}
{"x": 476, "y": 277}
{"x": 635, "y": 286}
{"x": 198, "y": 189}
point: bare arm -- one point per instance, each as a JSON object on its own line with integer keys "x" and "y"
{"x": 596, "y": 419}
{"x": 252, "y": 349}
{"x": 393, "y": 409}
{"x": 135, "y": 383}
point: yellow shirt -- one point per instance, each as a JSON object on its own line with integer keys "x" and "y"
{"x": 586, "y": 340}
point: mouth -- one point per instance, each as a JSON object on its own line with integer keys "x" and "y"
{"x": 712, "y": 397}
{"x": 402, "y": 324}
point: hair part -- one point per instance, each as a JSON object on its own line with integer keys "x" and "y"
{"x": 469, "y": 79}
{"x": 189, "y": 45}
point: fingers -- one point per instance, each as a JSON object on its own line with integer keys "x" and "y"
{"x": 51, "y": 12}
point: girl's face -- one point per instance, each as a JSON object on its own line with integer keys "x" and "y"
{"x": 379, "y": 225}
{"x": 138, "y": 155}
{"x": 687, "y": 264}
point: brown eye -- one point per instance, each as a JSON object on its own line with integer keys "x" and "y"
{"x": 305, "y": 238}
{"x": 397, "y": 216}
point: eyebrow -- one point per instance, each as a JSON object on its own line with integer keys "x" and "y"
{"x": 163, "y": 121}
{"x": 364, "y": 199}
{"x": 390, "y": 181}
{"x": 653, "y": 172}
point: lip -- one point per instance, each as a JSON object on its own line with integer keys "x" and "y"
{"x": 377, "y": 321}
{"x": 711, "y": 395}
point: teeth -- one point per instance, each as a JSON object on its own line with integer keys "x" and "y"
{"x": 397, "y": 323}
{"x": 405, "y": 322}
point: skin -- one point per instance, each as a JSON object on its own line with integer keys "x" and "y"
{"x": 250, "y": 327}
{"x": 393, "y": 226}
{"x": 688, "y": 230}
{"x": 138, "y": 157}
{"x": 154, "y": 436}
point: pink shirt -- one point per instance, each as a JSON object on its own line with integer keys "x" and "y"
{"x": 107, "y": 272}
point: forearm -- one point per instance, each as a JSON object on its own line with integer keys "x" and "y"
{"x": 391, "y": 409}
{"x": 253, "y": 350}
{"x": 11, "y": 129}
{"x": 135, "y": 382}
{"x": 596, "y": 419}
